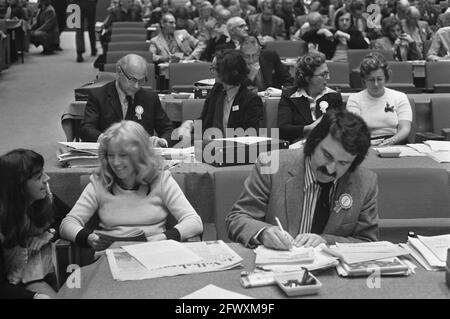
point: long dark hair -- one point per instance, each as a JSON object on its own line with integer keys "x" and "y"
{"x": 19, "y": 217}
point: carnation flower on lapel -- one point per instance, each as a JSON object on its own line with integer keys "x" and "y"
{"x": 323, "y": 105}
{"x": 139, "y": 111}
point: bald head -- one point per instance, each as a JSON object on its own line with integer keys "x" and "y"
{"x": 134, "y": 64}
{"x": 315, "y": 20}
{"x": 413, "y": 13}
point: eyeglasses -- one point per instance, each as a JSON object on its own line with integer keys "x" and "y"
{"x": 242, "y": 26}
{"x": 324, "y": 74}
{"x": 133, "y": 80}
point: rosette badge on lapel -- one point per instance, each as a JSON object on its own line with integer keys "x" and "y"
{"x": 139, "y": 111}
{"x": 323, "y": 105}
{"x": 345, "y": 201}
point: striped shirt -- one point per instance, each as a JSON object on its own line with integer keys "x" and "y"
{"x": 311, "y": 195}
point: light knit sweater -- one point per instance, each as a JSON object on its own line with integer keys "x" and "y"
{"x": 125, "y": 210}
{"x": 373, "y": 110}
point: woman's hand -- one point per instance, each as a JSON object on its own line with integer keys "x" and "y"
{"x": 388, "y": 141}
{"x": 98, "y": 243}
{"x": 38, "y": 242}
{"x": 157, "y": 237}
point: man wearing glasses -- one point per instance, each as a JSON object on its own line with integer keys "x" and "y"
{"x": 172, "y": 45}
{"x": 126, "y": 99}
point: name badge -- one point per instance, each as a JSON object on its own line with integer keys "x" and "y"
{"x": 235, "y": 108}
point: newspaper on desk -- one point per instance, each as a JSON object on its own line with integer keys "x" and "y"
{"x": 216, "y": 256}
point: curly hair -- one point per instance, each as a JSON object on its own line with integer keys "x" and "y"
{"x": 372, "y": 62}
{"x": 347, "y": 128}
{"x": 306, "y": 66}
{"x": 134, "y": 141}
{"x": 231, "y": 67}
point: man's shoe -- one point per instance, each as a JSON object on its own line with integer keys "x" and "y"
{"x": 47, "y": 52}
{"x": 80, "y": 58}
{"x": 94, "y": 52}
{"x": 58, "y": 48}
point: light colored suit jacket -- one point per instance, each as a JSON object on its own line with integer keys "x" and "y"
{"x": 280, "y": 194}
{"x": 190, "y": 46}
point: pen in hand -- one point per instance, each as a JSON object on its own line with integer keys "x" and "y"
{"x": 282, "y": 230}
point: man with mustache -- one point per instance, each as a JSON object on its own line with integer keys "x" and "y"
{"x": 319, "y": 193}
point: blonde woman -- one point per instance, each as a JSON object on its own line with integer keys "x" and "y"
{"x": 130, "y": 193}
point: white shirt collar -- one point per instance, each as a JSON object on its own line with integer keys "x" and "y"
{"x": 302, "y": 92}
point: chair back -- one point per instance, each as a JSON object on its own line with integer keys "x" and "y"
{"x": 191, "y": 109}
{"x": 436, "y": 73}
{"x": 412, "y": 133}
{"x": 440, "y": 113}
{"x": 228, "y": 186}
{"x": 129, "y": 46}
{"x": 416, "y": 201}
{"x": 287, "y": 48}
{"x": 339, "y": 76}
{"x": 114, "y": 56}
{"x": 270, "y": 113}
{"x": 71, "y": 120}
{"x": 128, "y": 24}
{"x": 401, "y": 77}
{"x": 128, "y": 37}
{"x": 182, "y": 76}
{"x": 116, "y": 30}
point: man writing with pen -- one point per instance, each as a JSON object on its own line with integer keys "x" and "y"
{"x": 319, "y": 193}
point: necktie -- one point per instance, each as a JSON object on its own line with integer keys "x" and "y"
{"x": 129, "y": 114}
{"x": 322, "y": 211}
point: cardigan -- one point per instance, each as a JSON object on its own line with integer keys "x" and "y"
{"x": 124, "y": 211}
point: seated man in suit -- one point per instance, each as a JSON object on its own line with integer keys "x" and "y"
{"x": 229, "y": 104}
{"x": 266, "y": 69}
{"x": 173, "y": 45}
{"x": 265, "y": 25}
{"x": 236, "y": 32}
{"x": 125, "y": 98}
{"x": 440, "y": 45}
{"x": 319, "y": 193}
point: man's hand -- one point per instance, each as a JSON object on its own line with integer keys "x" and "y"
{"x": 273, "y": 237}
{"x": 309, "y": 240}
{"x": 158, "y": 142}
{"x": 324, "y": 31}
{"x": 98, "y": 243}
{"x": 38, "y": 242}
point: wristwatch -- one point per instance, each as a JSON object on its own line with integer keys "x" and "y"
{"x": 52, "y": 231}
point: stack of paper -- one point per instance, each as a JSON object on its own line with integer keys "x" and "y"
{"x": 245, "y": 139}
{"x": 79, "y": 154}
{"x": 438, "y": 146}
{"x": 297, "y": 255}
{"x": 361, "y": 259}
{"x": 284, "y": 261}
{"x": 361, "y": 252}
{"x": 214, "y": 256}
{"x": 175, "y": 153}
{"x": 403, "y": 150}
{"x": 430, "y": 251}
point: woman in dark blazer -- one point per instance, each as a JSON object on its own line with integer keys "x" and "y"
{"x": 230, "y": 104}
{"x": 302, "y": 106}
